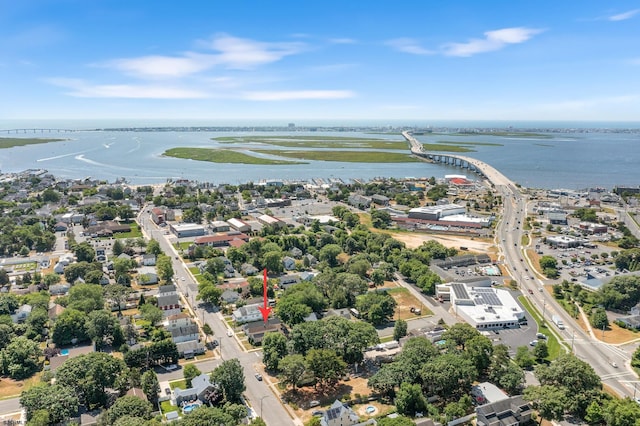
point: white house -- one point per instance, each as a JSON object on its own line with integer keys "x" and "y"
{"x": 248, "y": 313}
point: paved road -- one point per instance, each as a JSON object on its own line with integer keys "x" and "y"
{"x": 601, "y": 356}
{"x": 258, "y": 393}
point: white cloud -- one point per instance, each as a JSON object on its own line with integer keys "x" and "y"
{"x": 230, "y": 52}
{"x": 342, "y": 40}
{"x": 624, "y": 16}
{"x": 163, "y": 66}
{"x": 494, "y": 40}
{"x": 408, "y": 45}
{"x": 242, "y": 53}
{"x": 298, "y": 95}
{"x": 81, "y": 89}
{"x": 587, "y": 103}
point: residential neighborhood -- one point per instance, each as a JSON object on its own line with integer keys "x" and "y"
{"x": 153, "y": 282}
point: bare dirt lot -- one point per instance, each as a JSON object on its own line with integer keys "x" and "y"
{"x": 413, "y": 240}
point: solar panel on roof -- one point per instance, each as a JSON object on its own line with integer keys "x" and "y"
{"x": 486, "y": 296}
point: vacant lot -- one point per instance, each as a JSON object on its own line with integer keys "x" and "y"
{"x": 405, "y": 301}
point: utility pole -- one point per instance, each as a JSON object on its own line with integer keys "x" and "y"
{"x": 573, "y": 335}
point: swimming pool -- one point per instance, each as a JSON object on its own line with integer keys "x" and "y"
{"x": 189, "y": 408}
{"x": 370, "y": 409}
{"x": 64, "y": 352}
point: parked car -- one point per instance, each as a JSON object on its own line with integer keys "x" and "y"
{"x": 258, "y": 377}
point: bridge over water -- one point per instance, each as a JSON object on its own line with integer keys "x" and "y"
{"x": 24, "y": 131}
{"x": 479, "y": 167}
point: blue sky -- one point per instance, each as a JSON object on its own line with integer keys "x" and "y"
{"x": 299, "y": 60}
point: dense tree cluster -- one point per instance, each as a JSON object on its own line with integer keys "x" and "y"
{"x": 567, "y": 385}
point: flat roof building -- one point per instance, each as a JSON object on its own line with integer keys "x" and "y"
{"x": 485, "y": 308}
{"x": 182, "y": 230}
{"x": 436, "y": 212}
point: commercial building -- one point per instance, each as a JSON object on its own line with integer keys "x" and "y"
{"x": 183, "y": 230}
{"x": 564, "y": 241}
{"x": 436, "y": 212}
{"x": 485, "y": 308}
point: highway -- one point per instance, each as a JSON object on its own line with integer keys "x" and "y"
{"x": 600, "y": 355}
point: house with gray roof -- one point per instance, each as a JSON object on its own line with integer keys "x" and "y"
{"x": 200, "y": 385}
{"x": 169, "y": 301}
{"x": 506, "y": 412}
{"x": 340, "y": 414}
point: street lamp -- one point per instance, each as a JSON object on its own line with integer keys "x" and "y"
{"x": 261, "y": 399}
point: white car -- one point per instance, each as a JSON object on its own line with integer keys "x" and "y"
{"x": 229, "y": 332}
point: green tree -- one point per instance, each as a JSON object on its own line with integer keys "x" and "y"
{"x": 399, "y": 329}
{"x": 59, "y": 402}
{"x": 104, "y": 329}
{"x": 273, "y": 262}
{"x": 153, "y": 247}
{"x": 164, "y": 268}
{"x": 575, "y": 377}
{"x": 208, "y": 292}
{"x": 70, "y": 327}
{"x": 396, "y": 421}
{"x": 329, "y": 253}
{"x": 541, "y": 350}
{"x": 207, "y": 416}
{"x": 21, "y": 358}
{"x": 376, "y": 307}
{"x": 325, "y": 366}
{"x": 151, "y": 313}
{"x": 127, "y": 406}
{"x": 8, "y": 303}
{"x": 117, "y": 248}
{"x": 190, "y": 373}
{"x": 550, "y": 401}
{"x": 293, "y": 369}
{"x": 380, "y": 219}
{"x": 90, "y": 376}
{"x": 410, "y": 399}
{"x": 524, "y": 358}
{"x": 150, "y": 385}
{"x": 274, "y": 348}
{"x": 621, "y": 412}
{"x": 459, "y": 334}
{"x": 84, "y": 252}
{"x": 86, "y": 297}
{"x": 116, "y": 294}
{"x": 230, "y": 377}
{"x": 449, "y": 375}
{"x": 599, "y": 318}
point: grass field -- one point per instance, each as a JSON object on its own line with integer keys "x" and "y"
{"x": 11, "y": 142}
{"x": 504, "y": 134}
{"x": 345, "y": 156}
{"x": 134, "y": 233}
{"x": 470, "y": 143}
{"x": 10, "y": 388}
{"x": 405, "y": 301}
{"x": 222, "y": 156}
{"x": 316, "y": 142}
{"x": 553, "y": 345}
{"x": 166, "y": 407}
{"x": 441, "y": 147}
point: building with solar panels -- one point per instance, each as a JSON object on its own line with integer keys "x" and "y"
{"x": 485, "y": 308}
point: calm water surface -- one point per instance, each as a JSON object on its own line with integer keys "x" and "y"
{"x": 565, "y": 160}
